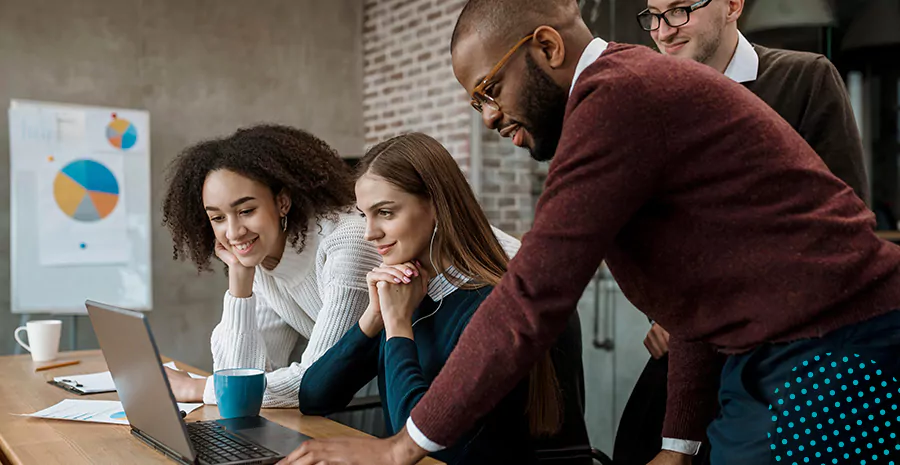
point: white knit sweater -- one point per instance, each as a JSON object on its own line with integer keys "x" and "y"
{"x": 317, "y": 294}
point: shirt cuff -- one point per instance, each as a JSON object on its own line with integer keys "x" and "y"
{"x": 682, "y": 446}
{"x": 420, "y": 438}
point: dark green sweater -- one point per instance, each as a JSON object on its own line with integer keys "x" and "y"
{"x": 405, "y": 369}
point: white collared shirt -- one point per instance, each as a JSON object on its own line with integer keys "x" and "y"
{"x": 744, "y": 64}
{"x": 590, "y": 54}
{"x": 440, "y": 287}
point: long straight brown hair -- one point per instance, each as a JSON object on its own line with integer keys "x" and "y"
{"x": 417, "y": 164}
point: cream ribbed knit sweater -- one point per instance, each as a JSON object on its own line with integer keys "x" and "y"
{"x": 317, "y": 294}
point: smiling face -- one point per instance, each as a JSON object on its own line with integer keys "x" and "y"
{"x": 700, "y": 38}
{"x": 245, "y": 216}
{"x": 532, "y": 104}
{"x": 400, "y": 224}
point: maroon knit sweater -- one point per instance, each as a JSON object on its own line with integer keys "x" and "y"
{"x": 715, "y": 217}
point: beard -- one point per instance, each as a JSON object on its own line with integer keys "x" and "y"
{"x": 708, "y": 43}
{"x": 705, "y": 51}
{"x": 543, "y": 108}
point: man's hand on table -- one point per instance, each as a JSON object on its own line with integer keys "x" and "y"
{"x": 396, "y": 450}
{"x": 667, "y": 457}
{"x": 657, "y": 341}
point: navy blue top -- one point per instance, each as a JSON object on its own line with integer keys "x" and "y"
{"x": 405, "y": 370}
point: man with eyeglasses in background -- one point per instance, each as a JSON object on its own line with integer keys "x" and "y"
{"x": 804, "y": 88}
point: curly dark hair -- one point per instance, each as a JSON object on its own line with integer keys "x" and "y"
{"x": 318, "y": 182}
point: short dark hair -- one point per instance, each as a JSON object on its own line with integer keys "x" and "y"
{"x": 509, "y": 20}
{"x": 318, "y": 182}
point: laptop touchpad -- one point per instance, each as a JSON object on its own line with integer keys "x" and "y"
{"x": 266, "y": 433}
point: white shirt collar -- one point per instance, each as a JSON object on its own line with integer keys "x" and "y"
{"x": 744, "y": 65}
{"x": 590, "y": 54}
{"x": 440, "y": 287}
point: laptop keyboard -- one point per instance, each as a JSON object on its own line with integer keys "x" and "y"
{"x": 215, "y": 445}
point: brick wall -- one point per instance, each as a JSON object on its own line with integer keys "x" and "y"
{"x": 409, "y": 86}
{"x": 508, "y": 183}
{"x": 408, "y": 83}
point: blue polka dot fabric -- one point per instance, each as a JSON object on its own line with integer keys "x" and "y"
{"x": 836, "y": 409}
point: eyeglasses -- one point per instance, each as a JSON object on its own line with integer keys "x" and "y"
{"x": 480, "y": 98}
{"x": 674, "y": 17}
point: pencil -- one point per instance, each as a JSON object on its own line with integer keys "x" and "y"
{"x": 58, "y": 365}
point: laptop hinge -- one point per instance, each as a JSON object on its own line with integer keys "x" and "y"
{"x": 162, "y": 448}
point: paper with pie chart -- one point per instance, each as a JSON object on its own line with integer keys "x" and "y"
{"x": 94, "y": 411}
{"x": 82, "y": 210}
{"x": 85, "y": 190}
{"x": 124, "y": 132}
{"x": 121, "y": 133}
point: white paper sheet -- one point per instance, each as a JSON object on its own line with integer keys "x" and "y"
{"x": 89, "y": 384}
{"x": 193, "y": 375}
{"x": 94, "y": 411}
{"x": 93, "y": 383}
{"x": 70, "y": 127}
{"x": 32, "y": 126}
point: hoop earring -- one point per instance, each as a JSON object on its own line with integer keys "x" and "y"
{"x": 284, "y": 223}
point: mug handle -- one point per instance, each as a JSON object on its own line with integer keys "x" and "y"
{"x": 16, "y": 335}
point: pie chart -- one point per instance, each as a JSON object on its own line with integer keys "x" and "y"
{"x": 85, "y": 190}
{"x": 121, "y": 133}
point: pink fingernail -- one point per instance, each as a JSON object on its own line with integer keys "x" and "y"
{"x": 406, "y": 280}
{"x": 396, "y": 280}
{"x": 408, "y": 272}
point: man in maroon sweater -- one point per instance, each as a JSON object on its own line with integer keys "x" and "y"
{"x": 717, "y": 220}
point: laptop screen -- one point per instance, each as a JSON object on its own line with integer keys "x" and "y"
{"x": 133, "y": 360}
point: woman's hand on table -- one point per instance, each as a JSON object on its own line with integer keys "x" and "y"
{"x": 185, "y": 388}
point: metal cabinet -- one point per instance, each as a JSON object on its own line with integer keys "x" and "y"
{"x": 613, "y": 332}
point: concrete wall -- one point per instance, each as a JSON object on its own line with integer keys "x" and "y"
{"x": 202, "y": 69}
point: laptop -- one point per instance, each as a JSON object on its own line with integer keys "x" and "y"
{"x": 133, "y": 360}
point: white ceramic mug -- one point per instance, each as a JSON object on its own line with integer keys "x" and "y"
{"x": 43, "y": 339}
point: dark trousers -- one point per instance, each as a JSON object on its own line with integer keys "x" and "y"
{"x": 832, "y": 400}
{"x": 639, "y": 436}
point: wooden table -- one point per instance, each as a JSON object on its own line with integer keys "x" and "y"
{"x": 25, "y": 440}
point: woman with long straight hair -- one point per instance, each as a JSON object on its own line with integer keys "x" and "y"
{"x": 441, "y": 259}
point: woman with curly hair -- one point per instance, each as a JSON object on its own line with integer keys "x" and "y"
{"x": 272, "y": 203}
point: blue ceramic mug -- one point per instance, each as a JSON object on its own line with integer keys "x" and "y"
{"x": 239, "y": 391}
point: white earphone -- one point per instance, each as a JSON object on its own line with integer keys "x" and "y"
{"x": 431, "y": 259}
